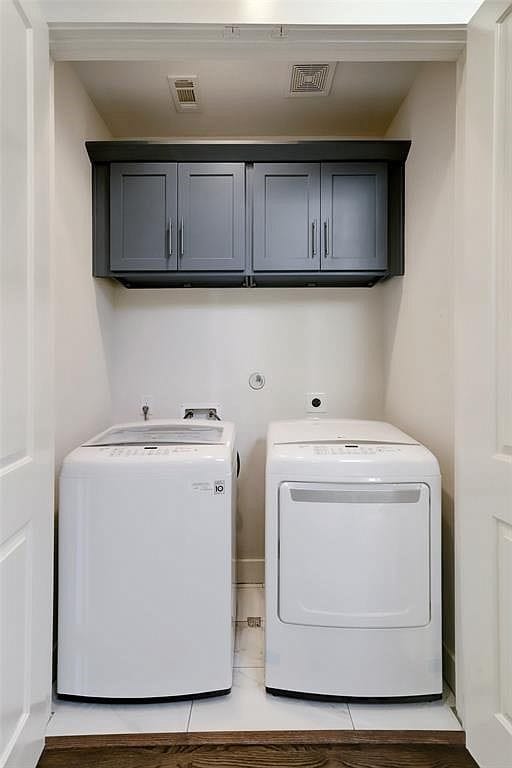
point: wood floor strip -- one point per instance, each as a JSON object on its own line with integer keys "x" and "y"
{"x": 376, "y": 755}
{"x": 256, "y": 738}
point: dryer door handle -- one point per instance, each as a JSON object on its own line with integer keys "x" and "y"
{"x": 408, "y": 495}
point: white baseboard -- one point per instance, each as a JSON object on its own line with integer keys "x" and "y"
{"x": 449, "y": 666}
{"x": 250, "y": 571}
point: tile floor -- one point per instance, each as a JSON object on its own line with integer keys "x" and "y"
{"x": 248, "y": 707}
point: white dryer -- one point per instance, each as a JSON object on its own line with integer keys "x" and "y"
{"x": 146, "y": 554}
{"x": 353, "y": 562}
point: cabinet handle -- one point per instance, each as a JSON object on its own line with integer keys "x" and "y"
{"x": 313, "y": 238}
{"x": 326, "y": 238}
{"x": 170, "y": 237}
{"x": 182, "y": 238}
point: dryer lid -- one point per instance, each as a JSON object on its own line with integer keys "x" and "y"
{"x": 337, "y": 431}
{"x": 181, "y": 433}
{"x": 335, "y": 448}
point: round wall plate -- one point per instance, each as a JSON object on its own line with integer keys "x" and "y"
{"x": 256, "y": 381}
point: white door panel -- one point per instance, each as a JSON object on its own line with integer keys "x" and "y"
{"x": 484, "y": 392}
{"x": 25, "y": 373}
{"x": 354, "y": 555}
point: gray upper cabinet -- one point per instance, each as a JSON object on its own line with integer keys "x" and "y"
{"x": 211, "y": 217}
{"x": 295, "y": 213}
{"x": 354, "y": 216}
{"x": 286, "y": 217}
{"x": 143, "y": 216}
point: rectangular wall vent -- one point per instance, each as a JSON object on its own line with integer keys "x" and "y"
{"x": 311, "y": 79}
{"x": 185, "y": 93}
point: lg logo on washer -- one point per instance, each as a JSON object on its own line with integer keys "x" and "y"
{"x": 219, "y": 487}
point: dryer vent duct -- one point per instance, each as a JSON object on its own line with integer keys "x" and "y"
{"x": 311, "y": 79}
{"x": 185, "y": 93}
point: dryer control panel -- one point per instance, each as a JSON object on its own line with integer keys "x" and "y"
{"x": 364, "y": 457}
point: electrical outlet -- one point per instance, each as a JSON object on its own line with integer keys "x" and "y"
{"x": 316, "y": 402}
{"x": 146, "y": 401}
{"x": 200, "y": 410}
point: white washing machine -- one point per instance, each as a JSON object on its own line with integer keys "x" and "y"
{"x": 353, "y": 562}
{"x": 146, "y": 562}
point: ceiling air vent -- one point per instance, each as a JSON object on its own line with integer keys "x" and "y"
{"x": 311, "y": 79}
{"x": 185, "y": 93}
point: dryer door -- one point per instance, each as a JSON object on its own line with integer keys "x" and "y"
{"x": 354, "y": 555}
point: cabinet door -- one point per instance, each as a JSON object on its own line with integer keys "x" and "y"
{"x": 354, "y": 216}
{"x": 211, "y": 212}
{"x": 286, "y": 217}
{"x": 143, "y": 225}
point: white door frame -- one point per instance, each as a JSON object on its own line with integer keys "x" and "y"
{"x": 80, "y": 31}
{"x": 483, "y": 389}
{"x": 394, "y": 30}
{"x": 189, "y": 42}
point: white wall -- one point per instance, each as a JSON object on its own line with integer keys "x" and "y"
{"x": 83, "y": 306}
{"x": 202, "y": 344}
{"x": 372, "y": 12}
{"x": 418, "y": 309}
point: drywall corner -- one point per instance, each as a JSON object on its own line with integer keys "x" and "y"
{"x": 418, "y": 308}
{"x": 83, "y": 305}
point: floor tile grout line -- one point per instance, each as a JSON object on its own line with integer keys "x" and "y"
{"x": 189, "y": 717}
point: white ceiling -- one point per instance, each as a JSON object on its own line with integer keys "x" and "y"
{"x": 244, "y": 98}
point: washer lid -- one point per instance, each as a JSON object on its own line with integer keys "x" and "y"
{"x": 155, "y": 449}
{"x": 162, "y": 433}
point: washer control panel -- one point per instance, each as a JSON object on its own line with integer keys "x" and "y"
{"x": 353, "y": 449}
{"x": 125, "y": 451}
